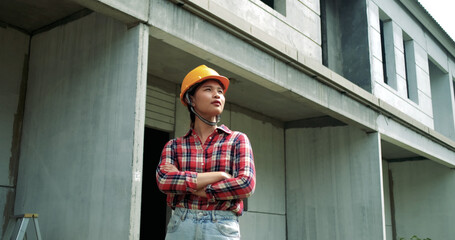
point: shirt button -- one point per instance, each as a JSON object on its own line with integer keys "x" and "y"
{"x": 210, "y": 137}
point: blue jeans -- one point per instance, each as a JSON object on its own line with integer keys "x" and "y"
{"x": 202, "y": 224}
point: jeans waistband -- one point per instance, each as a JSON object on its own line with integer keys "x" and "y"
{"x": 212, "y": 215}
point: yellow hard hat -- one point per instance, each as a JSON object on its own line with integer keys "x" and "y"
{"x": 198, "y": 75}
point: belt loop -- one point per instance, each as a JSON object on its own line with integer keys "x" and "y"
{"x": 213, "y": 216}
{"x": 185, "y": 211}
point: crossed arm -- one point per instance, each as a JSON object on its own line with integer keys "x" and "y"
{"x": 202, "y": 179}
{"x": 211, "y": 185}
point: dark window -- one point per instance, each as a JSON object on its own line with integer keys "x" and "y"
{"x": 270, "y": 3}
{"x": 406, "y": 69}
{"x": 384, "y": 63}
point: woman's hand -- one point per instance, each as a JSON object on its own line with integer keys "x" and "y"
{"x": 204, "y": 179}
{"x": 169, "y": 168}
{"x": 200, "y": 193}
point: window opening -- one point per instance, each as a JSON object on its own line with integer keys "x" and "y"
{"x": 406, "y": 69}
{"x": 441, "y": 99}
{"x": 277, "y": 5}
{"x": 269, "y": 3}
{"x": 410, "y": 68}
{"x": 384, "y": 61}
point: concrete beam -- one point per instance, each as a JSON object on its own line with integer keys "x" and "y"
{"x": 129, "y": 12}
{"x": 400, "y": 135}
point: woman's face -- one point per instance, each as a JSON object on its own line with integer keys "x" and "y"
{"x": 208, "y": 100}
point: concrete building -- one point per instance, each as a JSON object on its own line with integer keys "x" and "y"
{"x": 349, "y": 105}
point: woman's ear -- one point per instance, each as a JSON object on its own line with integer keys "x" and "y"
{"x": 191, "y": 100}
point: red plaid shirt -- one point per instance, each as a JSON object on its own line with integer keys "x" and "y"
{"x": 224, "y": 150}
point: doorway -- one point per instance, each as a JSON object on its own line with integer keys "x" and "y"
{"x": 153, "y": 209}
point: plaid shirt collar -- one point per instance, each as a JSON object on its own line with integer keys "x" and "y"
{"x": 219, "y": 129}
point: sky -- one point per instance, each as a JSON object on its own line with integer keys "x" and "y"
{"x": 443, "y": 11}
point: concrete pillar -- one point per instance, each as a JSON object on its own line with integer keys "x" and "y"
{"x": 81, "y": 154}
{"x": 333, "y": 184}
{"x": 13, "y": 58}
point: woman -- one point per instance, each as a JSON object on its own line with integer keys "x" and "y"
{"x": 207, "y": 172}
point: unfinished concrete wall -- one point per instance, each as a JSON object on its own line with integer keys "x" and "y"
{"x": 298, "y": 26}
{"x": 333, "y": 184}
{"x": 160, "y": 110}
{"x": 81, "y": 153}
{"x": 418, "y": 103}
{"x": 345, "y": 49}
{"x": 423, "y": 196}
{"x": 411, "y": 49}
{"x": 13, "y": 63}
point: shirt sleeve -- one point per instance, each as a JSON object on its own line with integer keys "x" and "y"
{"x": 179, "y": 182}
{"x": 242, "y": 185}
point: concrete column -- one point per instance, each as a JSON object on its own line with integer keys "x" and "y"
{"x": 333, "y": 184}
{"x": 81, "y": 154}
{"x": 13, "y": 63}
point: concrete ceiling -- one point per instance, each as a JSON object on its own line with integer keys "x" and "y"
{"x": 393, "y": 152}
{"x": 31, "y": 15}
{"x": 170, "y": 63}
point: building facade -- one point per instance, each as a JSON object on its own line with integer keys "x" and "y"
{"x": 349, "y": 106}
